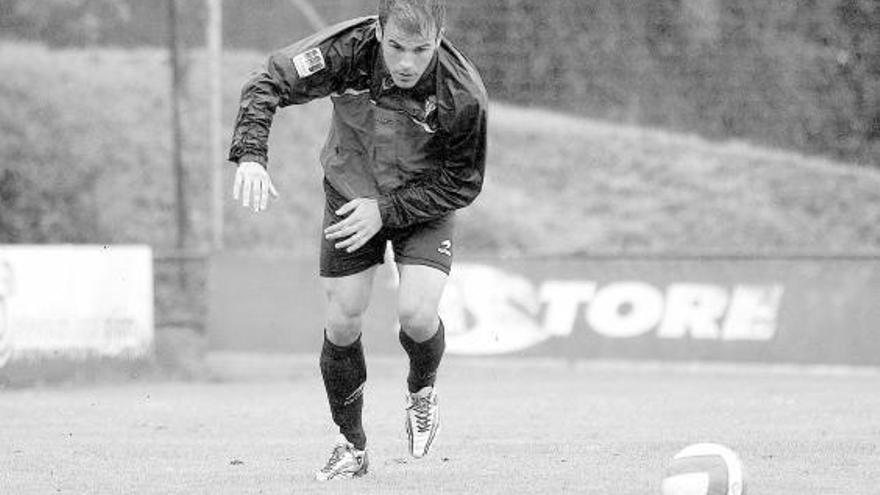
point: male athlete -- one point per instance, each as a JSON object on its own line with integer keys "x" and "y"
{"x": 406, "y": 148}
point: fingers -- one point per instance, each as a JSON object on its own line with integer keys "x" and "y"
{"x": 267, "y": 190}
{"x": 246, "y": 189}
{"x": 349, "y": 244}
{"x": 341, "y": 230}
{"x": 353, "y": 234}
{"x": 348, "y": 207}
{"x": 346, "y": 226}
{"x": 362, "y": 222}
{"x": 345, "y": 223}
{"x": 253, "y": 186}
{"x": 257, "y": 195}
{"x": 354, "y": 242}
{"x": 254, "y": 194}
{"x": 264, "y": 197}
{"x": 236, "y": 187}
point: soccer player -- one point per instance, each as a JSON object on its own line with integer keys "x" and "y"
{"x": 406, "y": 148}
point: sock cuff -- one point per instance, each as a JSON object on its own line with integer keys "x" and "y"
{"x": 340, "y": 351}
{"x": 408, "y": 342}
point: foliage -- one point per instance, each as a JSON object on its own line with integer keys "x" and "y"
{"x": 797, "y": 74}
{"x": 64, "y": 22}
{"x": 791, "y": 74}
{"x": 85, "y": 144}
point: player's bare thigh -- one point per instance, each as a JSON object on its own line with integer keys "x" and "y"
{"x": 347, "y": 300}
{"x": 419, "y": 298}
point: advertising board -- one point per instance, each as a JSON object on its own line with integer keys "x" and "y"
{"x": 65, "y": 301}
{"x": 802, "y": 310}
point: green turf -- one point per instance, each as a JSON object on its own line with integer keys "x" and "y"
{"x": 509, "y": 427}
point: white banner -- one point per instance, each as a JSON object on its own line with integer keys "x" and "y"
{"x": 75, "y": 301}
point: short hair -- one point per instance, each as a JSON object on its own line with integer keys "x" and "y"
{"x": 413, "y": 16}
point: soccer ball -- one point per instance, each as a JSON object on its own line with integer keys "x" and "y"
{"x": 704, "y": 469}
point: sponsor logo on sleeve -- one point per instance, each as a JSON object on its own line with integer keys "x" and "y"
{"x": 445, "y": 248}
{"x": 309, "y": 62}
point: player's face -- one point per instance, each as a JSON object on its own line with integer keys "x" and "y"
{"x": 407, "y": 55}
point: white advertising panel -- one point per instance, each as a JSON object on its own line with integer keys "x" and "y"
{"x": 75, "y": 301}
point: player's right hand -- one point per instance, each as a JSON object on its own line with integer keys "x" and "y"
{"x": 253, "y": 185}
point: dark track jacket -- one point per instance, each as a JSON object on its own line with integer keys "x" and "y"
{"x": 420, "y": 152}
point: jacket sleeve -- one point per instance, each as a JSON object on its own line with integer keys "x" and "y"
{"x": 455, "y": 184}
{"x": 281, "y": 83}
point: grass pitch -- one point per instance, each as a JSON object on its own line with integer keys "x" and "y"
{"x": 509, "y": 426}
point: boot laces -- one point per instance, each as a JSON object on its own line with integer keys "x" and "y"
{"x": 421, "y": 407}
{"x": 335, "y": 458}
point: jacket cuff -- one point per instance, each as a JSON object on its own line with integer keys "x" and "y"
{"x": 249, "y": 157}
{"x": 387, "y": 211}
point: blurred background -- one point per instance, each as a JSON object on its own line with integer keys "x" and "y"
{"x": 703, "y": 127}
{"x": 792, "y": 74}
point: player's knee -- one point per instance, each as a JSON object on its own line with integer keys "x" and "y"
{"x": 419, "y": 321}
{"x": 343, "y": 322}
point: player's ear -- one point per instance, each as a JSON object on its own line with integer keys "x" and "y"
{"x": 379, "y": 33}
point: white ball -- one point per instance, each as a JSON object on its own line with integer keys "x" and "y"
{"x": 704, "y": 469}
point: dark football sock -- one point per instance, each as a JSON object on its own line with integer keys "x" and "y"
{"x": 424, "y": 358}
{"x": 345, "y": 372}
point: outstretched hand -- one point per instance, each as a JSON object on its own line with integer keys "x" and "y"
{"x": 253, "y": 185}
{"x": 361, "y": 224}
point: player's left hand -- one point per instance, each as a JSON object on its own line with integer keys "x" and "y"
{"x": 361, "y": 224}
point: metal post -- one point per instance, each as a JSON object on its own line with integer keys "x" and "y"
{"x": 214, "y": 37}
{"x": 176, "y": 126}
{"x": 177, "y": 139}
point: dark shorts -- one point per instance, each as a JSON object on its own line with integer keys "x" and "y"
{"x": 428, "y": 244}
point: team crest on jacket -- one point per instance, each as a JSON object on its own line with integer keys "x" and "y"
{"x": 426, "y": 123}
{"x": 430, "y": 106}
{"x": 309, "y": 62}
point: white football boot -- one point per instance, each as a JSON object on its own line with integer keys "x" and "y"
{"x": 345, "y": 462}
{"x": 422, "y": 420}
